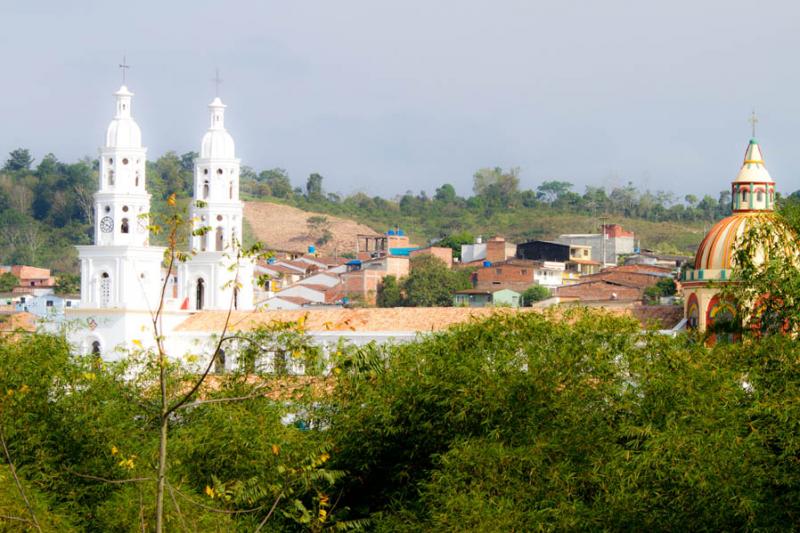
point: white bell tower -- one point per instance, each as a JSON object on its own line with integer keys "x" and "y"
{"x": 208, "y": 277}
{"x": 121, "y": 270}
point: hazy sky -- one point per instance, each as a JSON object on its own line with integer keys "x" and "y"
{"x": 383, "y": 97}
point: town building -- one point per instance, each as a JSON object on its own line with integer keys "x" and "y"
{"x": 494, "y": 250}
{"x": 486, "y": 298}
{"x": 607, "y": 246}
{"x": 518, "y": 274}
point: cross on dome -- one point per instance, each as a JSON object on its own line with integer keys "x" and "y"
{"x": 124, "y": 67}
{"x": 217, "y": 82}
{"x": 753, "y": 120}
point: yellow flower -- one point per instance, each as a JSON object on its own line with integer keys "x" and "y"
{"x": 114, "y": 450}
{"x": 24, "y": 389}
{"x": 171, "y": 200}
{"x": 137, "y": 342}
{"x": 324, "y": 457}
{"x": 276, "y": 449}
{"x": 322, "y": 515}
{"x": 209, "y": 491}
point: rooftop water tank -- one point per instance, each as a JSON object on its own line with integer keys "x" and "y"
{"x": 400, "y": 232}
{"x": 487, "y": 263}
{"x": 312, "y": 249}
{"x": 390, "y": 232}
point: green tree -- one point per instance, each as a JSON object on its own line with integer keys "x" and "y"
{"x": 496, "y": 186}
{"x": 431, "y": 283}
{"x": 455, "y": 240}
{"x": 19, "y": 159}
{"x": 535, "y": 293}
{"x": 277, "y": 179}
{"x": 446, "y": 194}
{"x": 314, "y": 187}
{"x": 8, "y": 281}
{"x": 389, "y": 294}
{"x": 553, "y": 190}
{"x": 68, "y": 283}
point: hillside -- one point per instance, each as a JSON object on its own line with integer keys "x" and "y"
{"x": 285, "y": 227}
{"x": 282, "y": 227}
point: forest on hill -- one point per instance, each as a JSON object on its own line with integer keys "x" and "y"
{"x": 46, "y": 207}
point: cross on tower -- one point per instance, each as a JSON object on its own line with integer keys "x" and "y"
{"x": 753, "y": 120}
{"x": 123, "y": 67}
{"x": 217, "y": 82}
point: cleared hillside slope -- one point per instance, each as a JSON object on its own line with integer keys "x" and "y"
{"x": 283, "y": 227}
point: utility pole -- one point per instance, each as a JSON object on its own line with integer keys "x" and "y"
{"x": 603, "y": 237}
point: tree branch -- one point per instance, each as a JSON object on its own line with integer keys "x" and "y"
{"x": 18, "y": 482}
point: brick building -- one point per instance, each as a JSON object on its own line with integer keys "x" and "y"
{"x": 518, "y": 275}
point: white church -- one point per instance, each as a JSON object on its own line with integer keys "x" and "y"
{"x": 122, "y": 274}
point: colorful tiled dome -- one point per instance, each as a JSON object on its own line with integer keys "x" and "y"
{"x": 716, "y": 252}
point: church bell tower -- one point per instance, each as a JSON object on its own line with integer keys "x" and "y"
{"x": 212, "y": 279}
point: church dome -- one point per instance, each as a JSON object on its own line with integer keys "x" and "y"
{"x": 716, "y": 252}
{"x": 123, "y": 134}
{"x": 217, "y": 142}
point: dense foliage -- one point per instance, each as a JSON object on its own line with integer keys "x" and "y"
{"x": 520, "y": 422}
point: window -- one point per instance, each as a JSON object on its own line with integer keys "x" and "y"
{"x": 125, "y": 208}
{"x": 124, "y": 160}
{"x": 586, "y": 252}
{"x": 68, "y": 303}
{"x": 219, "y": 171}
{"x": 744, "y": 195}
{"x": 236, "y": 298}
{"x": 137, "y": 179}
{"x": 205, "y": 189}
{"x": 105, "y": 289}
{"x": 49, "y": 303}
{"x": 96, "y": 348}
{"x": 205, "y": 171}
{"x": 111, "y": 177}
{"x": 220, "y": 239}
{"x": 498, "y": 270}
{"x": 124, "y": 226}
{"x": 200, "y": 294}
{"x": 524, "y": 271}
{"x": 760, "y": 196}
{"x": 230, "y": 190}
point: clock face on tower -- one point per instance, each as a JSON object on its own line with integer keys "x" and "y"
{"x": 106, "y": 224}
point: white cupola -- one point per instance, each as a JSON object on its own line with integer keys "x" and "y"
{"x": 217, "y": 142}
{"x": 123, "y": 132}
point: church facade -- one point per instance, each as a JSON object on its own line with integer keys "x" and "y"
{"x": 122, "y": 274}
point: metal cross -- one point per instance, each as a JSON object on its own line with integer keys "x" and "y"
{"x": 753, "y": 120}
{"x": 123, "y": 67}
{"x": 217, "y": 82}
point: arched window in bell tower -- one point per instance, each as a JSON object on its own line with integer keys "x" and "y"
{"x": 200, "y": 294}
{"x": 744, "y": 195}
{"x": 205, "y": 190}
{"x": 124, "y": 227}
{"x": 96, "y": 348}
{"x": 220, "y": 239}
{"x": 137, "y": 179}
{"x": 111, "y": 177}
{"x": 230, "y": 190}
{"x": 105, "y": 289}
